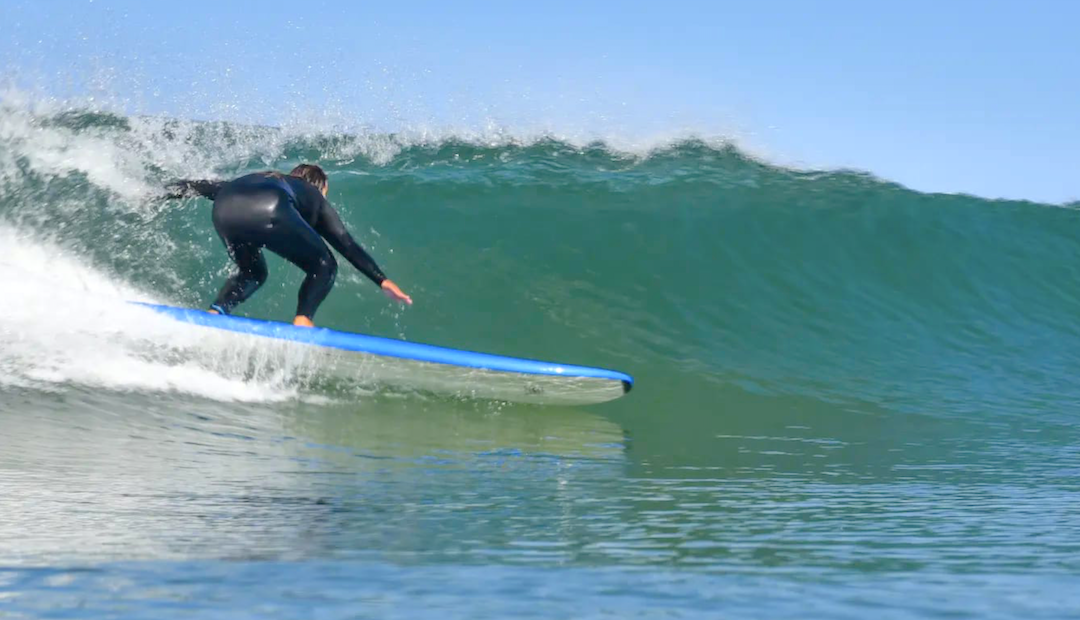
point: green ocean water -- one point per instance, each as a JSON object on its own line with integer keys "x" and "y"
{"x": 852, "y": 399}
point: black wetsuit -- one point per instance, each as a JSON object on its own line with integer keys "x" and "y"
{"x": 288, "y": 216}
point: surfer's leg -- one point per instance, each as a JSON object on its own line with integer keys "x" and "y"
{"x": 295, "y": 241}
{"x": 242, "y": 284}
{"x": 243, "y": 217}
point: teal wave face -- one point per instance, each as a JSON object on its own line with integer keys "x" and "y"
{"x": 692, "y": 264}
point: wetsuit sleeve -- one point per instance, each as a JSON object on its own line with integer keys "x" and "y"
{"x": 190, "y": 189}
{"x": 330, "y": 226}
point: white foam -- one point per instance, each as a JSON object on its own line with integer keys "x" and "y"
{"x": 67, "y": 323}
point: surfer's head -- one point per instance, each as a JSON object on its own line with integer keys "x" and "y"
{"x": 312, "y": 174}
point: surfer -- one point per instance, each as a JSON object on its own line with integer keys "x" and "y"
{"x": 290, "y": 216}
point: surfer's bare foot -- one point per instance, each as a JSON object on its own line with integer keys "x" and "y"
{"x": 303, "y": 321}
{"x": 212, "y": 311}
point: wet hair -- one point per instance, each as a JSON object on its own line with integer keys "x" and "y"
{"x": 312, "y": 174}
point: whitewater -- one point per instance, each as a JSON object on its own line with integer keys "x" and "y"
{"x": 852, "y": 398}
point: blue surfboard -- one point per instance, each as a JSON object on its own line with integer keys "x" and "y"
{"x": 375, "y": 359}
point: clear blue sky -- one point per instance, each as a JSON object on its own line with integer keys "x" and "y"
{"x": 951, "y": 95}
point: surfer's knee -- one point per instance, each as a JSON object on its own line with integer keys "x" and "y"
{"x": 258, "y": 273}
{"x": 326, "y": 268}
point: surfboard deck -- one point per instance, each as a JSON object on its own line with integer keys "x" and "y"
{"x": 375, "y": 359}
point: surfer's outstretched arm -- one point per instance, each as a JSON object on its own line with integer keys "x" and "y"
{"x": 331, "y": 228}
{"x": 192, "y": 188}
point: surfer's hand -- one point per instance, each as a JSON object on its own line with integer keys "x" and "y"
{"x": 393, "y": 292}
